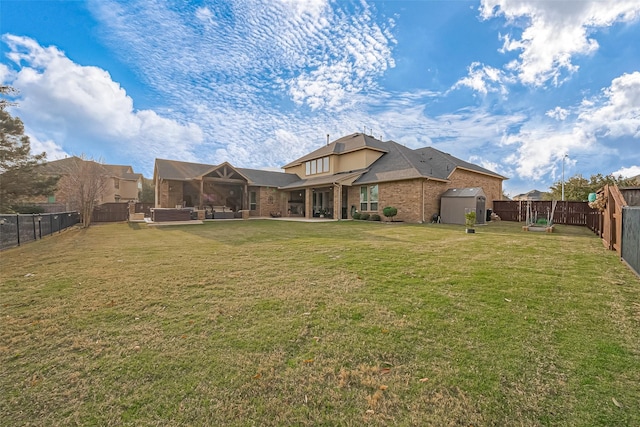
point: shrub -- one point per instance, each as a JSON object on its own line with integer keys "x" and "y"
{"x": 390, "y": 212}
{"x": 374, "y": 217}
{"x": 364, "y": 216}
{"x": 27, "y": 209}
{"x": 356, "y": 215}
{"x": 470, "y": 219}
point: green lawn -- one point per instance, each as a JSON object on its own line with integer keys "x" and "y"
{"x": 340, "y": 323}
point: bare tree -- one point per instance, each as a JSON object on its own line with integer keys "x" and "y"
{"x": 82, "y": 184}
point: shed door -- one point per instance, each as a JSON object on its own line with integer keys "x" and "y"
{"x": 481, "y": 213}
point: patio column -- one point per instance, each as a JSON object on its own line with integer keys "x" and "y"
{"x": 201, "y": 201}
{"x": 337, "y": 201}
{"x": 308, "y": 211}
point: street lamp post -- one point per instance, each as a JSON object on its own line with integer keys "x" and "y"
{"x": 563, "y": 157}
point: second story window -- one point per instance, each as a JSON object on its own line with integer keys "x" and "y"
{"x": 316, "y": 166}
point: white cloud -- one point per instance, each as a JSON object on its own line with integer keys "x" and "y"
{"x": 82, "y": 108}
{"x": 204, "y": 14}
{"x": 313, "y": 8}
{"x": 53, "y": 150}
{"x": 558, "y": 113}
{"x": 602, "y": 121}
{"x": 5, "y": 73}
{"x": 540, "y": 150}
{"x": 619, "y": 112}
{"x": 312, "y": 52}
{"x": 484, "y": 79}
{"x": 554, "y": 32}
{"x": 629, "y": 172}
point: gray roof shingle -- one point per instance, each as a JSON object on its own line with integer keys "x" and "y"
{"x": 401, "y": 163}
{"x": 64, "y": 166}
{"x": 186, "y": 171}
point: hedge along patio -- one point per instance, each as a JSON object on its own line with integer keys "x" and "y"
{"x": 336, "y": 323}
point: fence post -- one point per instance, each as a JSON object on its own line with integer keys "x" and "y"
{"x": 18, "y": 227}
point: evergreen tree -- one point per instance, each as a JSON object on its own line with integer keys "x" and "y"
{"x": 147, "y": 194}
{"x": 20, "y": 178}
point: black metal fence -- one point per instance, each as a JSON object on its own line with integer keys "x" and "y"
{"x": 18, "y": 229}
{"x": 631, "y": 237}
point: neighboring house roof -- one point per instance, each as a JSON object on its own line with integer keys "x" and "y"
{"x": 529, "y": 195}
{"x": 123, "y": 172}
{"x": 186, "y": 171}
{"x": 463, "y": 192}
{"x": 63, "y": 166}
{"x": 346, "y": 144}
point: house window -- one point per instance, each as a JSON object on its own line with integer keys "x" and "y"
{"x": 369, "y": 198}
{"x": 116, "y": 183}
{"x": 51, "y": 199}
{"x": 373, "y": 200}
{"x": 364, "y": 198}
{"x": 313, "y": 167}
{"x": 252, "y": 201}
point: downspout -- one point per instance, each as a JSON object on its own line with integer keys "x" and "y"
{"x": 201, "y": 201}
{"x": 157, "y": 191}
{"x": 337, "y": 199}
{"x": 423, "y": 201}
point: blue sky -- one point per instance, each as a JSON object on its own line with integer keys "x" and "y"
{"x": 511, "y": 85}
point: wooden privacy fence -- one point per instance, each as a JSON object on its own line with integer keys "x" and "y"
{"x": 111, "y": 212}
{"x": 630, "y": 252}
{"x": 619, "y": 224}
{"x": 570, "y": 213}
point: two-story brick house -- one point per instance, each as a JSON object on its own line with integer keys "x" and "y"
{"x": 121, "y": 184}
{"x": 355, "y": 173}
